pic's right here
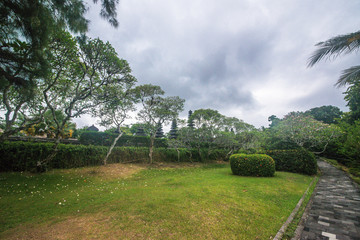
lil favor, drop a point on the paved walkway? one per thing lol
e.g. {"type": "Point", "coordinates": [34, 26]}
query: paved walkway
{"type": "Point", "coordinates": [335, 211]}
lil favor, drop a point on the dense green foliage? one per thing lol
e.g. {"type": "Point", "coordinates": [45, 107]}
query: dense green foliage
{"type": "Point", "coordinates": [105, 139]}
{"type": "Point", "coordinates": [325, 114]}
{"type": "Point", "coordinates": [259, 165]}
{"type": "Point", "coordinates": [24, 156]}
{"type": "Point", "coordinates": [297, 161]}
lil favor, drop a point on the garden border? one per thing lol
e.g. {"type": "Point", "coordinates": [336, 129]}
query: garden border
{"type": "Point", "coordinates": [283, 228]}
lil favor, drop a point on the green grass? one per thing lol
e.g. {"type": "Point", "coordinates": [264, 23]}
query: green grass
{"type": "Point", "coordinates": [290, 231]}
{"type": "Point", "coordinates": [206, 202]}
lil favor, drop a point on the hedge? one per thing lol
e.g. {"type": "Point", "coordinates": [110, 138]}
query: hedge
{"type": "Point", "coordinates": [297, 161]}
{"type": "Point", "coordinates": [23, 156]}
{"type": "Point", "coordinates": [106, 139]}
{"type": "Point", "coordinates": [259, 165]}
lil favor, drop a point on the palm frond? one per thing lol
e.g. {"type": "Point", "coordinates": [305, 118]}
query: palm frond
{"type": "Point", "coordinates": [349, 76]}
{"type": "Point", "coordinates": [335, 46]}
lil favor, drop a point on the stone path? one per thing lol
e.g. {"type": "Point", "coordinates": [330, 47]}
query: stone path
{"type": "Point", "coordinates": [335, 211]}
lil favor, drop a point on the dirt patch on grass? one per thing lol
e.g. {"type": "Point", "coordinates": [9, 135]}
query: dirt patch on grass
{"type": "Point", "coordinates": [123, 170]}
{"type": "Point", "coordinates": [110, 171]}
{"type": "Point", "coordinates": [92, 226]}
{"type": "Point", "coordinates": [81, 227]}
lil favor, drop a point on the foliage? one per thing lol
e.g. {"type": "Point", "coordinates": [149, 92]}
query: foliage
{"type": "Point", "coordinates": [26, 30]}
{"type": "Point", "coordinates": [259, 165]}
{"type": "Point", "coordinates": [105, 139]}
{"type": "Point", "coordinates": [350, 148]}
{"type": "Point", "coordinates": [156, 110]}
{"type": "Point", "coordinates": [24, 156]}
{"type": "Point", "coordinates": [336, 46]}
{"type": "Point", "coordinates": [306, 132]}
{"type": "Point", "coordinates": [297, 161]}
{"type": "Point", "coordinates": [47, 126]}
{"type": "Point", "coordinates": [115, 109]}
{"type": "Point", "coordinates": [274, 121]}
{"type": "Point", "coordinates": [325, 114]}
{"type": "Point", "coordinates": [352, 96]}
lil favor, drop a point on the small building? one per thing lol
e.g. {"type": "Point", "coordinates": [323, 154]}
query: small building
{"type": "Point", "coordinates": [92, 128]}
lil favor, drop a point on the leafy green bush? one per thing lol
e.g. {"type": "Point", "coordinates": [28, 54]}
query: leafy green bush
{"type": "Point", "coordinates": [260, 165]}
{"type": "Point", "coordinates": [297, 161]}
{"type": "Point", "coordinates": [23, 156]}
{"type": "Point", "coordinates": [106, 139]}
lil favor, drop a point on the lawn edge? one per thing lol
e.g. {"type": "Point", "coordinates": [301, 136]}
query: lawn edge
{"type": "Point", "coordinates": [283, 228]}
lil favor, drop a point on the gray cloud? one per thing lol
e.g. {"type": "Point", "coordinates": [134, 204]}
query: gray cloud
{"type": "Point", "coordinates": [244, 58]}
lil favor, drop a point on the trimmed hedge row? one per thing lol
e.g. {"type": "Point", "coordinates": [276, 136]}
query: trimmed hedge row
{"type": "Point", "coordinates": [106, 139]}
{"type": "Point", "coordinates": [297, 161]}
{"type": "Point", "coordinates": [259, 165]}
{"type": "Point", "coordinates": [23, 156]}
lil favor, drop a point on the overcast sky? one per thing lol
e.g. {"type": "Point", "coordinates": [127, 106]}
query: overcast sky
{"type": "Point", "coordinates": [244, 58]}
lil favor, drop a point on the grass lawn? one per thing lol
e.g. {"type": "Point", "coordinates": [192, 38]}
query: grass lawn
{"type": "Point", "coordinates": [137, 202]}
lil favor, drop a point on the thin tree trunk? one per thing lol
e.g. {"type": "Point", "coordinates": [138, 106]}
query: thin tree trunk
{"type": "Point", "coordinates": [152, 139]}
{"type": "Point", "coordinates": [112, 147]}
{"type": "Point", "coordinates": [229, 153]}
{"type": "Point", "coordinates": [41, 165]}
{"type": "Point", "coordinates": [178, 154]}
{"type": "Point", "coordinates": [318, 153]}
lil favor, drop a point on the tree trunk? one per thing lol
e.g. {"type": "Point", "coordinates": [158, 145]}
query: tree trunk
{"type": "Point", "coordinates": [191, 156]}
{"type": "Point", "coordinates": [229, 154]}
{"type": "Point", "coordinates": [112, 147]}
{"type": "Point", "coordinates": [152, 139]}
{"type": "Point", "coordinates": [41, 165]}
{"type": "Point", "coordinates": [178, 154]}
{"type": "Point", "coordinates": [324, 149]}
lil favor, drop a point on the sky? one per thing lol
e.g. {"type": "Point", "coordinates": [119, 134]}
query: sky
{"type": "Point", "coordinates": [245, 58]}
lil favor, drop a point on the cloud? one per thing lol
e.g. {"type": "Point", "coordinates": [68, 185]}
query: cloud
{"type": "Point", "coordinates": [244, 58]}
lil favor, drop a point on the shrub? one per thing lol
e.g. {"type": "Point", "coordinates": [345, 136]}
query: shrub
{"type": "Point", "coordinates": [23, 156]}
{"type": "Point", "coordinates": [106, 139]}
{"type": "Point", "coordinates": [297, 161]}
{"type": "Point", "coordinates": [260, 165]}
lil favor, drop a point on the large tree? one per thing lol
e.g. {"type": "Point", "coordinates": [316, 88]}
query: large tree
{"type": "Point", "coordinates": [84, 73]}
{"type": "Point", "coordinates": [27, 28]}
{"type": "Point", "coordinates": [157, 110]}
{"type": "Point", "coordinates": [116, 109]}
{"type": "Point", "coordinates": [325, 114]}
{"type": "Point", "coordinates": [307, 132]}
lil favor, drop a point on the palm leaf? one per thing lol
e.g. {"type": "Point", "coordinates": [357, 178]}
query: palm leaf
{"type": "Point", "coordinates": [349, 76]}
{"type": "Point", "coordinates": [335, 46]}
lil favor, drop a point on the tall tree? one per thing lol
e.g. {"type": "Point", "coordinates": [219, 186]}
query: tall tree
{"type": "Point", "coordinates": [307, 132]}
{"type": "Point", "coordinates": [84, 72]}
{"type": "Point", "coordinates": [157, 110]}
{"type": "Point", "coordinates": [116, 109]}
{"type": "Point", "coordinates": [352, 96]}
{"type": "Point", "coordinates": [26, 30]}
{"type": "Point", "coordinates": [325, 114]}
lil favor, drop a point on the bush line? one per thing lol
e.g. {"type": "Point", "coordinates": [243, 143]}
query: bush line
{"type": "Point", "coordinates": [23, 156]}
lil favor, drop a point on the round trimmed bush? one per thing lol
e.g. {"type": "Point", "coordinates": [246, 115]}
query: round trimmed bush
{"type": "Point", "coordinates": [259, 165]}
